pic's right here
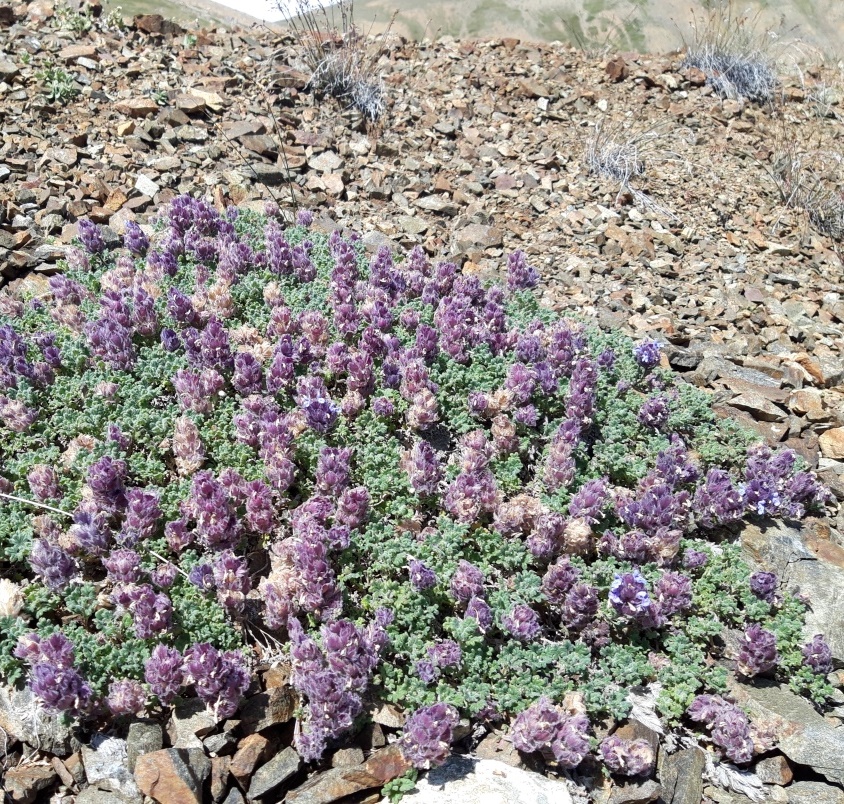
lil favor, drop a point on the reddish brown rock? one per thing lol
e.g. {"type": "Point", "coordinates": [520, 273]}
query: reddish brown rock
{"type": "Point", "coordinates": [173, 775]}
{"type": "Point", "coordinates": [252, 751]}
{"type": "Point", "coordinates": [337, 783]}
{"type": "Point", "coordinates": [137, 107]}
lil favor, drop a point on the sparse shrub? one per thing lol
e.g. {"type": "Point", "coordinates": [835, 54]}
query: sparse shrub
{"type": "Point", "coordinates": [58, 85]}
{"type": "Point", "coordinates": [811, 180]}
{"type": "Point", "coordinates": [446, 490]}
{"type": "Point", "coordinates": [343, 61]}
{"type": "Point", "coordinates": [618, 152]}
{"type": "Point", "coordinates": [736, 57]}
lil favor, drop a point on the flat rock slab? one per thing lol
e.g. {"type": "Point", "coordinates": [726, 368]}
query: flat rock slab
{"type": "Point", "coordinates": [463, 780]}
{"type": "Point", "coordinates": [803, 735]}
{"type": "Point", "coordinates": [275, 773]}
{"type": "Point", "coordinates": [809, 562]}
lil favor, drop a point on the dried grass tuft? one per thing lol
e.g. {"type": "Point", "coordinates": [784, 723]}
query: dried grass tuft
{"type": "Point", "coordinates": [737, 58]}
{"type": "Point", "coordinates": [811, 181]}
{"type": "Point", "coordinates": [343, 62]}
{"type": "Point", "coordinates": [618, 152]}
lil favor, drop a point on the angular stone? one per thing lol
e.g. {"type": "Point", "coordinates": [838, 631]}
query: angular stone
{"type": "Point", "coordinates": [253, 749]}
{"type": "Point", "coordinates": [758, 406]}
{"type": "Point", "coordinates": [271, 175]}
{"type": "Point", "coordinates": [220, 744]}
{"type": "Point", "coordinates": [433, 203]}
{"type": "Point", "coordinates": [47, 733]}
{"type": "Point", "coordinates": [276, 705]}
{"type": "Point", "coordinates": [814, 793]}
{"type": "Point", "coordinates": [494, 746]}
{"type": "Point", "coordinates": [191, 134]}
{"type": "Point", "coordinates": [463, 780]}
{"type": "Point", "coordinates": [616, 69]}
{"type": "Point", "coordinates": [220, 767]}
{"type": "Point", "coordinates": [73, 52]}
{"type": "Point", "coordinates": [107, 767]}
{"type": "Point", "coordinates": [8, 70]}
{"type": "Point", "coordinates": [173, 775]}
{"type": "Point", "coordinates": [810, 563]}
{"type": "Point", "coordinates": [347, 758]}
{"type": "Point", "coordinates": [144, 737]}
{"type": "Point", "coordinates": [191, 104]}
{"type": "Point", "coordinates": [803, 735]}
{"type": "Point", "coordinates": [274, 773]}
{"type": "Point", "coordinates": [136, 107]}
{"type": "Point", "coordinates": [24, 782]}
{"type": "Point", "coordinates": [234, 797]}
{"type": "Point", "coordinates": [262, 144]}
{"type": "Point", "coordinates": [190, 721]}
{"type": "Point", "coordinates": [635, 791]}
{"type": "Point", "coordinates": [65, 156]}
{"type": "Point", "coordinates": [146, 186]}
{"type": "Point", "coordinates": [477, 234]}
{"type": "Point", "coordinates": [681, 776]}
{"type": "Point", "coordinates": [832, 443]}
{"type": "Point", "coordinates": [774, 770]}
{"type": "Point", "coordinates": [326, 162]}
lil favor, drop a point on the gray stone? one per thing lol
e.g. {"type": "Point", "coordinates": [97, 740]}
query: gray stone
{"type": "Point", "coordinates": [93, 795]}
{"type": "Point", "coordinates": [635, 792]}
{"type": "Point", "coordinates": [7, 70]}
{"type": "Point", "coordinates": [681, 775]}
{"type": "Point", "coordinates": [191, 134]}
{"type": "Point", "coordinates": [412, 225]}
{"type": "Point", "coordinates": [433, 203]}
{"type": "Point", "coordinates": [234, 797]}
{"type": "Point", "coordinates": [270, 175]}
{"type": "Point", "coordinates": [274, 773]}
{"type": "Point", "coordinates": [220, 744]}
{"type": "Point", "coordinates": [146, 186]}
{"type": "Point", "coordinates": [477, 234]}
{"type": "Point", "coordinates": [24, 721]}
{"type": "Point", "coordinates": [144, 737]}
{"type": "Point", "coordinates": [463, 780]}
{"type": "Point", "coordinates": [809, 562]}
{"type": "Point", "coordinates": [326, 162]}
{"type": "Point", "coordinates": [189, 722]}
{"type": "Point", "coordinates": [814, 793]}
{"type": "Point", "coordinates": [804, 736]}
{"type": "Point", "coordinates": [107, 767]}
{"type": "Point", "coordinates": [347, 758]}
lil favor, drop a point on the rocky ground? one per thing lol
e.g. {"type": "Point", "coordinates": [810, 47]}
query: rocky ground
{"type": "Point", "coordinates": [480, 152]}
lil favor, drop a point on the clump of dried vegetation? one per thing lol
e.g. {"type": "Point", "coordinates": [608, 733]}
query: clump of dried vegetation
{"type": "Point", "coordinates": [342, 60]}
{"type": "Point", "coordinates": [737, 55]}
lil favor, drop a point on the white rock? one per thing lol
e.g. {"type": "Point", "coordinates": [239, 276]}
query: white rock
{"type": "Point", "coordinates": [146, 186]}
{"type": "Point", "coordinates": [463, 780]}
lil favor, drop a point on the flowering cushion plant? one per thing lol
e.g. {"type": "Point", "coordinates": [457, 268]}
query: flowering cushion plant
{"type": "Point", "coordinates": [430, 491]}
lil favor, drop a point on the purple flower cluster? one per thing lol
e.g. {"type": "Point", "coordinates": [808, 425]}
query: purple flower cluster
{"type": "Point", "coordinates": [427, 735]}
{"type": "Point", "coordinates": [629, 597]}
{"type": "Point", "coordinates": [219, 677]}
{"type": "Point", "coordinates": [728, 725]}
{"type": "Point", "coordinates": [543, 725]}
{"type": "Point", "coordinates": [333, 677]}
{"type": "Point", "coordinates": [758, 651]}
{"type": "Point", "coordinates": [53, 677]}
{"type": "Point", "coordinates": [647, 353]}
{"type": "Point", "coordinates": [818, 655]}
{"type": "Point", "coordinates": [764, 585]}
{"type": "Point", "coordinates": [627, 757]}
{"type": "Point", "coordinates": [772, 487]}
